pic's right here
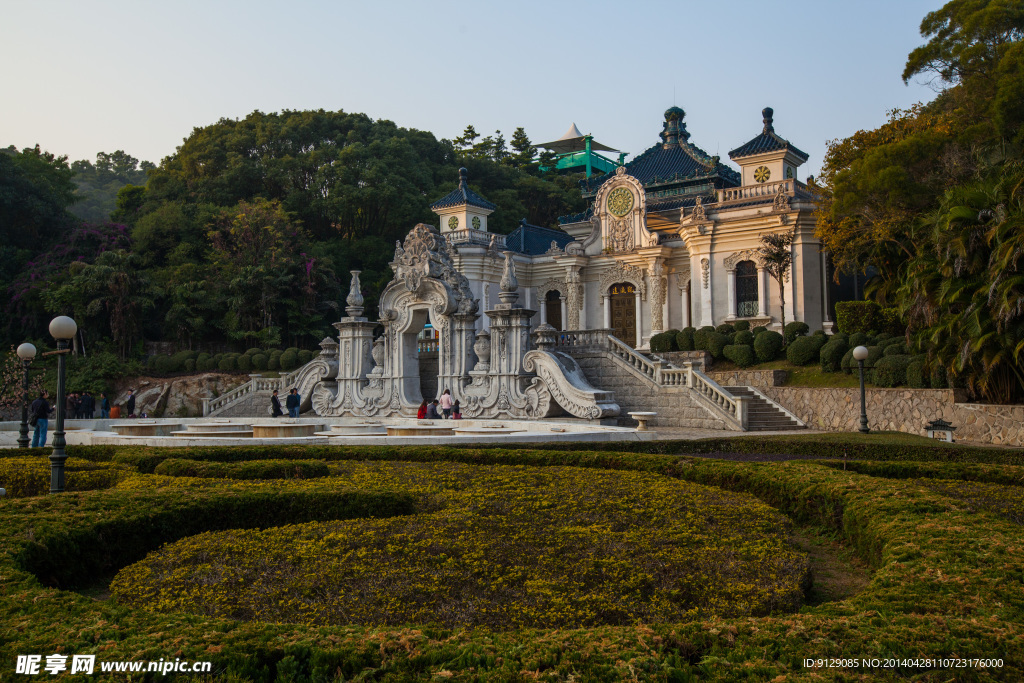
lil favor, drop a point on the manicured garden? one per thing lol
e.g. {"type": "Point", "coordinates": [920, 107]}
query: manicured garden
{"type": "Point", "coordinates": [470, 530]}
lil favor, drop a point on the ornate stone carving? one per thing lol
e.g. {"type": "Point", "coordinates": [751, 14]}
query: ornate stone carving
{"type": "Point", "coordinates": [698, 214]}
{"type": "Point", "coordinates": [705, 271]}
{"type": "Point", "coordinates": [509, 282]}
{"type": "Point", "coordinates": [658, 286]}
{"type": "Point", "coordinates": [746, 255]}
{"type": "Point", "coordinates": [378, 351]}
{"type": "Point", "coordinates": [426, 255]}
{"type": "Point", "coordinates": [551, 285]}
{"type": "Point", "coordinates": [554, 250]}
{"type": "Point", "coordinates": [620, 236]}
{"type": "Point", "coordinates": [482, 348]}
{"type": "Point", "coordinates": [622, 222]}
{"type": "Point", "coordinates": [574, 249]}
{"type": "Point", "coordinates": [781, 202]}
{"type": "Point", "coordinates": [574, 298]}
{"type": "Point", "coordinates": [623, 272]}
{"type": "Point", "coordinates": [355, 297]}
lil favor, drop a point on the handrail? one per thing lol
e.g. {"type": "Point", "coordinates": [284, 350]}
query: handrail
{"type": "Point", "coordinates": [468, 235]}
{"type": "Point", "coordinates": [733, 406]}
{"type": "Point", "coordinates": [639, 362]}
{"type": "Point", "coordinates": [787, 186]}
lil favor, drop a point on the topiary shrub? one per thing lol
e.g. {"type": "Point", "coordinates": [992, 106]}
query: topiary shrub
{"type": "Point", "coordinates": [684, 340]}
{"type": "Point", "coordinates": [190, 365]}
{"type": "Point", "coordinates": [725, 328]}
{"type": "Point", "coordinates": [917, 375]}
{"type": "Point", "coordinates": [804, 350]}
{"type": "Point", "coordinates": [897, 348]}
{"type": "Point", "coordinates": [937, 376]}
{"type": "Point", "coordinates": [891, 371]}
{"type": "Point", "coordinates": [831, 354]}
{"type": "Point", "coordinates": [858, 339]}
{"type": "Point", "coordinates": [163, 365]}
{"type": "Point", "coordinates": [740, 354]}
{"type": "Point", "coordinates": [227, 363]}
{"type": "Point", "coordinates": [874, 355]}
{"type": "Point", "coordinates": [289, 359]}
{"type": "Point", "coordinates": [741, 325]}
{"type": "Point", "coordinates": [857, 316]}
{"type": "Point", "coordinates": [882, 337]}
{"type": "Point", "coordinates": [795, 329]}
{"type": "Point", "coordinates": [767, 346]}
{"type": "Point", "coordinates": [663, 342]}
{"type": "Point", "coordinates": [274, 361]}
{"type": "Point", "coordinates": [717, 343]}
{"type": "Point", "coordinates": [745, 337]}
{"type": "Point", "coordinates": [759, 330]}
{"type": "Point", "coordinates": [305, 355]}
{"type": "Point", "coordinates": [889, 320]}
{"type": "Point", "coordinates": [244, 363]}
{"type": "Point", "coordinates": [700, 338]}
{"type": "Point", "coordinates": [259, 361]}
{"type": "Point", "coordinates": [847, 364]}
{"type": "Point", "coordinates": [252, 352]}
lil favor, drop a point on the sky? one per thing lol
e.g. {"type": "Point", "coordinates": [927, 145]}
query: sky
{"type": "Point", "coordinates": [85, 77]}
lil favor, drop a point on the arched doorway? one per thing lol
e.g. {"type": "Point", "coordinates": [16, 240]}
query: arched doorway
{"type": "Point", "coordinates": [623, 305]}
{"type": "Point", "coordinates": [553, 309]}
{"type": "Point", "coordinates": [746, 289]}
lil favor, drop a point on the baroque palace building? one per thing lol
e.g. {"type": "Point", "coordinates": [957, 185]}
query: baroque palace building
{"type": "Point", "coordinates": [670, 240]}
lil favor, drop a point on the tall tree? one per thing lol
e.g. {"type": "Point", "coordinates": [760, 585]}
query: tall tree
{"type": "Point", "coordinates": [777, 256]}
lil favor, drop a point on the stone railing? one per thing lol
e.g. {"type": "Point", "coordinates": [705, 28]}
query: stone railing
{"type": "Point", "coordinates": [211, 405]}
{"type": "Point", "coordinates": [467, 236]}
{"type": "Point", "coordinates": [661, 373]}
{"type": "Point", "coordinates": [755, 191]}
{"type": "Point", "coordinates": [426, 345]}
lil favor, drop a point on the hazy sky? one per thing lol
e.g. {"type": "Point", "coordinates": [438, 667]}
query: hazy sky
{"type": "Point", "coordinates": [83, 77]}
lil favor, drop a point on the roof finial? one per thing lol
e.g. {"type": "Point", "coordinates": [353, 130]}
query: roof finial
{"type": "Point", "coordinates": [463, 174]}
{"type": "Point", "coordinates": [767, 113]}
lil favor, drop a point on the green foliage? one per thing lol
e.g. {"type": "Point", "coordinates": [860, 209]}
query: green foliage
{"type": "Point", "coordinates": [759, 330]}
{"type": "Point", "coordinates": [897, 348]}
{"type": "Point", "coordinates": [227, 363]}
{"type": "Point", "coordinates": [875, 354]}
{"type": "Point", "coordinates": [740, 354]}
{"type": "Point", "coordinates": [701, 338]}
{"type": "Point", "coordinates": [832, 353]}
{"type": "Point", "coordinates": [261, 469]}
{"type": "Point", "coordinates": [795, 329]}
{"type": "Point", "coordinates": [847, 364]}
{"type": "Point", "coordinates": [854, 317]}
{"type": "Point", "coordinates": [29, 475]}
{"type": "Point", "coordinates": [744, 337]}
{"type": "Point", "coordinates": [685, 340]}
{"type": "Point", "coordinates": [274, 360]}
{"type": "Point", "coordinates": [716, 343]}
{"type": "Point", "coordinates": [741, 325]}
{"type": "Point", "coordinates": [917, 376]}
{"type": "Point", "coordinates": [768, 345]}
{"type": "Point", "coordinates": [665, 341]}
{"type": "Point", "coordinates": [243, 363]}
{"type": "Point", "coordinates": [98, 184]}
{"type": "Point", "coordinates": [189, 365]}
{"type": "Point", "coordinates": [859, 339]}
{"type": "Point", "coordinates": [725, 328]}
{"type": "Point", "coordinates": [289, 359]}
{"type": "Point", "coordinates": [937, 376]}
{"type": "Point", "coordinates": [259, 361]}
{"type": "Point", "coordinates": [891, 371]}
{"type": "Point", "coordinates": [36, 191]}
{"type": "Point", "coordinates": [305, 355]}
{"type": "Point", "coordinates": [804, 350]}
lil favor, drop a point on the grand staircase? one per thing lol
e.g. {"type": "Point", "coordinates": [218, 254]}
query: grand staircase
{"type": "Point", "coordinates": [762, 415]}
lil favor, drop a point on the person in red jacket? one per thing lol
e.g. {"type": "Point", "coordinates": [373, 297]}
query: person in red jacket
{"type": "Point", "coordinates": [421, 414]}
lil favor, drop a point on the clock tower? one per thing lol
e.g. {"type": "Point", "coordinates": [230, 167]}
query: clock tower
{"type": "Point", "coordinates": [768, 158]}
{"type": "Point", "coordinates": [463, 209]}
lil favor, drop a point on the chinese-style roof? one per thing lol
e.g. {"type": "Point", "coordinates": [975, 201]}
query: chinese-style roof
{"type": "Point", "coordinates": [767, 141]}
{"type": "Point", "coordinates": [462, 196]}
{"type": "Point", "coordinates": [675, 159]}
{"type": "Point", "coordinates": [574, 141]}
{"type": "Point", "coordinates": [534, 239]}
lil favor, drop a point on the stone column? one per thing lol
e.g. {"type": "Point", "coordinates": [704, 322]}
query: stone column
{"type": "Point", "coordinates": [762, 292]}
{"type": "Point", "coordinates": [655, 275]}
{"type": "Point", "coordinates": [790, 283]}
{"type": "Point", "coordinates": [565, 313]}
{"type": "Point", "coordinates": [706, 314]}
{"type": "Point", "coordinates": [543, 311]}
{"type": "Point", "coordinates": [825, 317]}
{"type": "Point", "coordinates": [607, 304]}
{"type": "Point", "coordinates": [730, 276]}
{"type": "Point", "coordinates": [684, 293]}
{"type": "Point", "coordinates": [639, 322]}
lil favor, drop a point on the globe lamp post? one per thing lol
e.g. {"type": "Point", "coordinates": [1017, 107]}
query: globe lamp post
{"type": "Point", "coordinates": [26, 352]}
{"type": "Point", "coordinates": [860, 354]}
{"type": "Point", "coordinates": [63, 329]}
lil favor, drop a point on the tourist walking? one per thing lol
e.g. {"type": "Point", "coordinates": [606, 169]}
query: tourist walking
{"type": "Point", "coordinates": [421, 414]}
{"type": "Point", "coordinates": [129, 406]}
{"type": "Point", "coordinates": [40, 417]}
{"type": "Point", "coordinates": [104, 406]}
{"type": "Point", "coordinates": [293, 402]}
{"type": "Point", "coordinates": [456, 411]}
{"type": "Point", "coordinates": [446, 404]}
{"type": "Point", "coordinates": [275, 405]}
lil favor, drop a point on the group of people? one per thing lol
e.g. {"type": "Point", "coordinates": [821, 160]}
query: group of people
{"type": "Point", "coordinates": [76, 407]}
{"type": "Point", "coordinates": [440, 409]}
{"type": "Point", "coordinates": [292, 403]}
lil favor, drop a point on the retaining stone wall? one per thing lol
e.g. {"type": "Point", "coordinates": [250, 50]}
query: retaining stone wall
{"type": "Point", "coordinates": [749, 378]}
{"type": "Point", "coordinates": [674, 406]}
{"type": "Point", "coordinates": [902, 410]}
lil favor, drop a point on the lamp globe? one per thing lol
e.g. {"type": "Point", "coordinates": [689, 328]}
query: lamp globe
{"type": "Point", "coordinates": [26, 351]}
{"type": "Point", "coordinates": [63, 327]}
{"type": "Point", "coordinates": [860, 353]}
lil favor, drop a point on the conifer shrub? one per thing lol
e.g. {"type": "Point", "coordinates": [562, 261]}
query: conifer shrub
{"type": "Point", "coordinates": [725, 328]}
{"type": "Point", "coordinates": [761, 329]}
{"type": "Point", "coordinates": [891, 371]}
{"type": "Point", "coordinates": [716, 344]}
{"type": "Point", "coordinates": [804, 350]}
{"type": "Point", "coordinates": [917, 375]}
{"type": "Point", "coordinates": [289, 359]}
{"type": "Point", "coordinates": [163, 365]}
{"type": "Point", "coordinates": [858, 339]}
{"type": "Point", "coordinates": [897, 348]}
{"type": "Point", "coordinates": [190, 365]}
{"type": "Point", "coordinates": [767, 346]}
{"type": "Point", "coordinates": [874, 355]}
{"type": "Point", "coordinates": [663, 342]}
{"type": "Point", "coordinates": [700, 338]}
{"type": "Point", "coordinates": [202, 362]}
{"type": "Point", "coordinates": [305, 355]}
{"type": "Point", "coordinates": [744, 337]}
{"type": "Point", "coordinates": [832, 353]}
{"type": "Point", "coordinates": [252, 352]}
{"type": "Point", "coordinates": [857, 316]}
{"type": "Point", "coordinates": [227, 363]}
{"type": "Point", "coordinates": [259, 361]}
{"type": "Point", "coordinates": [274, 360]}
{"type": "Point", "coordinates": [795, 329]}
{"type": "Point", "coordinates": [243, 363]}
{"type": "Point", "coordinates": [848, 364]}
{"type": "Point", "coordinates": [740, 354]}
{"type": "Point", "coordinates": [684, 340]}
{"type": "Point", "coordinates": [741, 325]}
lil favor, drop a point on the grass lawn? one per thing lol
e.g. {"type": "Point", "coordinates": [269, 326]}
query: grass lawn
{"type": "Point", "coordinates": [799, 375]}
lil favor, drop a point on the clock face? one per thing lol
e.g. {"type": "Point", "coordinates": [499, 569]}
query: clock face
{"type": "Point", "coordinates": [762, 174]}
{"type": "Point", "coordinates": [453, 223]}
{"type": "Point", "coordinates": [476, 222]}
{"type": "Point", "coordinates": [620, 201]}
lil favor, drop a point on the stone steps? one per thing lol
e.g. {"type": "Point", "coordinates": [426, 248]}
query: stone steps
{"type": "Point", "coordinates": [763, 416]}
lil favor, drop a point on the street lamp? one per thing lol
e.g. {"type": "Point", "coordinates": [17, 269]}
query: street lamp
{"type": "Point", "coordinates": [63, 329]}
{"type": "Point", "coordinates": [26, 352]}
{"type": "Point", "coordinates": [860, 354]}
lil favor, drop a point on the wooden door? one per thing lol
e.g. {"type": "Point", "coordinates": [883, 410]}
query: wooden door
{"type": "Point", "coordinates": [623, 298]}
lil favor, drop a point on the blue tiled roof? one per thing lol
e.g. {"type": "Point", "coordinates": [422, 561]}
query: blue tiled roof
{"type": "Point", "coordinates": [534, 239]}
{"type": "Point", "coordinates": [461, 196]}
{"type": "Point", "coordinates": [670, 162]}
{"type": "Point", "coordinates": [767, 141]}
{"type": "Point", "coordinates": [577, 217]}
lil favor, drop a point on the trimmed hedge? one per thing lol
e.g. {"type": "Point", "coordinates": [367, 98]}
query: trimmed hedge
{"type": "Point", "coordinates": [859, 339]}
{"type": "Point", "coordinates": [742, 325]}
{"type": "Point", "coordinates": [716, 344]}
{"type": "Point", "coordinates": [891, 371]}
{"type": "Point", "coordinates": [701, 338]}
{"type": "Point", "coordinates": [663, 342]}
{"type": "Point", "coordinates": [795, 329]}
{"type": "Point", "coordinates": [30, 475]}
{"type": "Point", "coordinates": [831, 354]}
{"type": "Point", "coordinates": [263, 469]}
{"type": "Point", "coordinates": [684, 340]}
{"type": "Point", "coordinates": [744, 337]}
{"type": "Point", "coordinates": [305, 355]}
{"type": "Point", "coordinates": [740, 354]}
{"type": "Point", "coordinates": [917, 378]}
{"type": "Point", "coordinates": [767, 345]}
{"type": "Point", "coordinates": [938, 378]}
{"type": "Point", "coordinates": [858, 316]}
{"type": "Point", "coordinates": [805, 350]}
{"type": "Point", "coordinates": [725, 328]}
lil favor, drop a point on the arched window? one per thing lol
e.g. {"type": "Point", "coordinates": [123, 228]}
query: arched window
{"type": "Point", "coordinates": [746, 289]}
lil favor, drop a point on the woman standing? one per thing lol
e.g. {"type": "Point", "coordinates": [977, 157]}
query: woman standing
{"type": "Point", "coordinates": [446, 404]}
